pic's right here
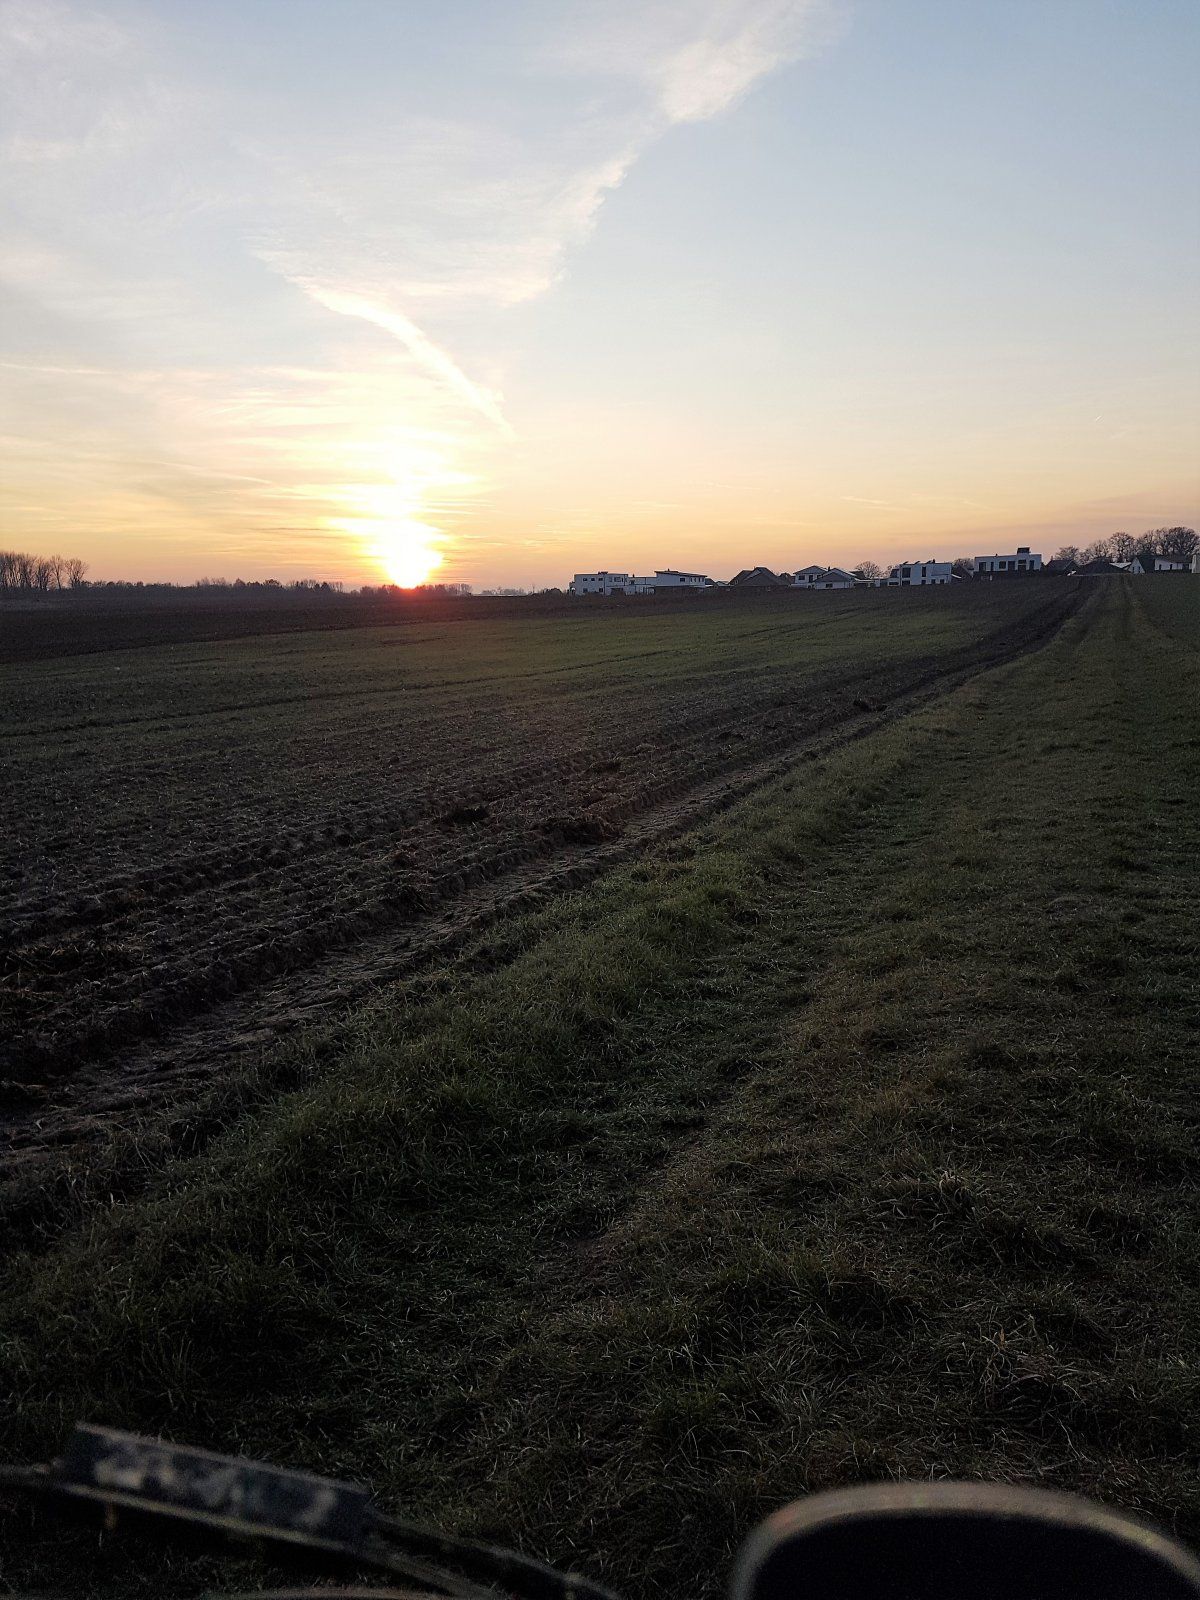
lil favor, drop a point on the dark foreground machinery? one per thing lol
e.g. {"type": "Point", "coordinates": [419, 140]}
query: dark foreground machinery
{"type": "Point", "coordinates": [926, 1541]}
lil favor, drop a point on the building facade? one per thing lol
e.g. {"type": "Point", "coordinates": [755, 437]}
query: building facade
{"type": "Point", "coordinates": [919, 573]}
{"type": "Point", "coordinates": [667, 579]}
{"type": "Point", "coordinates": [602, 583]}
{"type": "Point", "coordinates": [1022, 560]}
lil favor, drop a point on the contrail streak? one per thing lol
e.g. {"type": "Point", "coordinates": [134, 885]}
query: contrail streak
{"type": "Point", "coordinates": [418, 344]}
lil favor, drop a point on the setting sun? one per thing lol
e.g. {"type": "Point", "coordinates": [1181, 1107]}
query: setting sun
{"type": "Point", "coordinates": [392, 538]}
{"type": "Point", "coordinates": [407, 554]}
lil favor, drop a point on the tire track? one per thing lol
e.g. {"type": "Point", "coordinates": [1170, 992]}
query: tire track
{"type": "Point", "coordinates": [378, 944]}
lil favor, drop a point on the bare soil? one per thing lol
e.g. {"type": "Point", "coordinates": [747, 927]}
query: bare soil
{"type": "Point", "coordinates": [173, 955]}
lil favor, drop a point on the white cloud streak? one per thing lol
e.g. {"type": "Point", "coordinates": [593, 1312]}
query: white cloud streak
{"type": "Point", "coordinates": [495, 226]}
{"type": "Point", "coordinates": [146, 202]}
{"type": "Point", "coordinates": [430, 357]}
{"type": "Point", "coordinates": [697, 58]}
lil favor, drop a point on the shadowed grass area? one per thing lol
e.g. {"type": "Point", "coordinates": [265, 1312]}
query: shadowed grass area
{"type": "Point", "coordinates": [854, 1138]}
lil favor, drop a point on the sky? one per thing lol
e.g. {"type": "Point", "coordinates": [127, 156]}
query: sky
{"type": "Point", "coordinates": [393, 290]}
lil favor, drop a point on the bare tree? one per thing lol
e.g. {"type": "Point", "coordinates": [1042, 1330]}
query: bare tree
{"type": "Point", "coordinates": [1071, 553]}
{"type": "Point", "coordinates": [1098, 550]}
{"type": "Point", "coordinates": [869, 570]}
{"type": "Point", "coordinates": [22, 573]}
{"type": "Point", "coordinates": [1123, 546]}
{"type": "Point", "coordinates": [1176, 543]}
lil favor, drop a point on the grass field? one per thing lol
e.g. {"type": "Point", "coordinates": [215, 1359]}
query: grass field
{"type": "Point", "coordinates": [844, 1128]}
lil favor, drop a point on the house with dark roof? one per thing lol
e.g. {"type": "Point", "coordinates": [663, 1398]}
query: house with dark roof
{"type": "Point", "coordinates": [806, 576]}
{"type": "Point", "coordinates": [1101, 569]}
{"type": "Point", "coordinates": [758, 578]}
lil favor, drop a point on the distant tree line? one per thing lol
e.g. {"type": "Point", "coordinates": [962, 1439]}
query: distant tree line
{"type": "Point", "coordinates": [297, 585]}
{"type": "Point", "coordinates": [1175, 543]}
{"type": "Point", "coordinates": [22, 574]}
{"type": "Point", "coordinates": [453, 590]}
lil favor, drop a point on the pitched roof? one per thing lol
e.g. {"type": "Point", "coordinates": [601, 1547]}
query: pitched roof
{"type": "Point", "coordinates": [758, 578]}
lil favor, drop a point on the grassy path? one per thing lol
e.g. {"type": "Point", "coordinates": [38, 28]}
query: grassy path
{"type": "Point", "coordinates": [854, 1138]}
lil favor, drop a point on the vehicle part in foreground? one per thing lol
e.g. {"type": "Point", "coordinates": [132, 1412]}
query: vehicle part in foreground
{"type": "Point", "coordinates": [911, 1541]}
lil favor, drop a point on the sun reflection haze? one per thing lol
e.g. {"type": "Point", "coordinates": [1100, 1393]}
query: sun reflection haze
{"type": "Point", "coordinates": [390, 519]}
{"type": "Point", "coordinates": [408, 553]}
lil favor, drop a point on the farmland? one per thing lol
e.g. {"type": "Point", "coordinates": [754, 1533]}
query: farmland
{"type": "Point", "coordinates": [212, 844]}
{"type": "Point", "coordinates": [598, 1082]}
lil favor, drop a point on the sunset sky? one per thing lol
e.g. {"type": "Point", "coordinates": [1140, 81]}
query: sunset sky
{"type": "Point", "coordinates": [349, 289]}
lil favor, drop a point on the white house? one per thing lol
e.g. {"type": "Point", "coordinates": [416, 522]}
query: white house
{"type": "Point", "coordinates": [832, 578]}
{"type": "Point", "coordinates": [602, 583]}
{"type": "Point", "coordinates": [1146, 561]}
{"type": "Point", "coordinates": [1023, 560]}
{"type": "Point", "coordinates": [667, 580]}
{"type": "Point", "coordinates": [806, 577]}
{"type": "Point", "coordinates": [918, 573]}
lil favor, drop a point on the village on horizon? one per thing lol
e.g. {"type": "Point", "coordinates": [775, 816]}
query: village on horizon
{"type": "Point", "coordinates": [33, 578]}
{"type": "Point", "coordinates": [905, 574]}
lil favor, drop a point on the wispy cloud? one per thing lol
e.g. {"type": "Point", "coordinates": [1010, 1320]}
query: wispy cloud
{"type": "Point", "coordinates": [697, 59]}
{"type": "Point", "coordinates": [189, 250]}
{"type": "Point", "coordinates": [431, 218]}
{"type": "Point", "coordinates": [75, 84]}
{"type": "Point", "coordinates": [436, 213]}
{"type": "Point", "coordinates": [427, 355]}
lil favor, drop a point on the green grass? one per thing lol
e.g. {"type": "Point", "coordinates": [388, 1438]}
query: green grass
{"type": "Point", "coordinates": [601, 650]}
{"type": "Point", "coordinates": [855, 1138]}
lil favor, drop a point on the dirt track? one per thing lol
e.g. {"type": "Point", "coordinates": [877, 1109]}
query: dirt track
{"type": "Point", "coordinates": [165, 975]}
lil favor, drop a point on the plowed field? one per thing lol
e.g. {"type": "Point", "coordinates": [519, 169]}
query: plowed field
{"type": "Point", "coordinates": [207, 844]}
{"type": "Point", "coordinates": [843, 1131]}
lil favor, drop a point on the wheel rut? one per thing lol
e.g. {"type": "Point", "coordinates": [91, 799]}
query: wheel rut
{"type": "Point", "coordinates": [138, 1051]}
